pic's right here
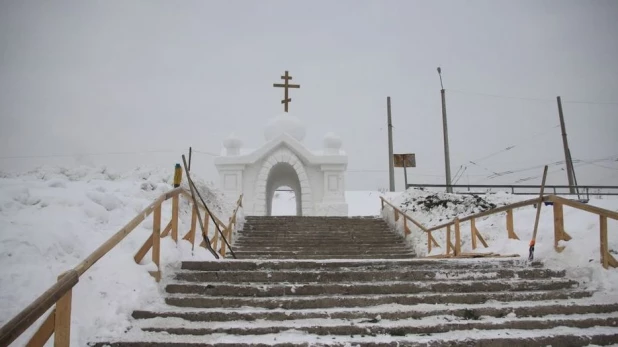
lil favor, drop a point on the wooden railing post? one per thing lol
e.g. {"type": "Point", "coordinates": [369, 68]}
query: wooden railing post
{"type": "Point", "coordinates": [473, 233]}
{"type": "Point", "coordinates": [62, 319]}
{"type": "Point", "coordinates": [457, 238]}
{"type": "Point", "coordinates": [448, 240]}
{"type": "Point", "coordinates": [559, 233]}
{"type": "Point", "coordinates": [396, 214]}
{"type": "Point", "coordinates": [175, 208]}
{"type": "Point", "coordinates": [510, 225]}
{"type": "Point", "coordinates": [191, 234]}
{"type": "Point", "coordinates": [607, 259]}
{"type": "Point", "coordinates": [156, 242]}
{"type": "Point", "coordinates": [406, 230]}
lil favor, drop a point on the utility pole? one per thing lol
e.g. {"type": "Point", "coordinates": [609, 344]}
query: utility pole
{"type": "Point", "coordinates": [447, 159]}
{"type": "Point", "coordinates": [391, 169]}
{"type": "Point", "coordinates": [565, 144]}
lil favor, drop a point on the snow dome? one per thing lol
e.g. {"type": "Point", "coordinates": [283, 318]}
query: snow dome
{"type": "Point", "coordinates": [284, 123]}
{"type": "Point", "coordinates": [332, 143]}
{"type": "Point", "coordinates": [232, 145]}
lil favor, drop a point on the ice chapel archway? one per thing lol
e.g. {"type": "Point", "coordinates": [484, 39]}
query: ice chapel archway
{"type": "Point", "coordinates": [316, 176]}
{"type": "Point", "coordinates": [283, 168]}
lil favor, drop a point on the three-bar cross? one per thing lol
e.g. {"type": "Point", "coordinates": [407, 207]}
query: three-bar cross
{"type": "Point", "coordinates": [286, 85]}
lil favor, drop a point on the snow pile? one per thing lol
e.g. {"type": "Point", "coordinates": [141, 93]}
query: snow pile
{"type": "Point", "coordinates": [53, 218]}
{"type": "Point", "coordinates": [434, 208]}
{"type": "Point", "coordinates": [581, 257]}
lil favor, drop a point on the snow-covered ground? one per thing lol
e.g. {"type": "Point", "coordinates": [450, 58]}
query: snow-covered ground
{"type": "Point", "coordinates": [51, 219]}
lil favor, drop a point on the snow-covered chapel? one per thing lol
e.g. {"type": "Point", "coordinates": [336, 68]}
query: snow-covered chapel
{"type": "Point", "coordinates": [317, 177]}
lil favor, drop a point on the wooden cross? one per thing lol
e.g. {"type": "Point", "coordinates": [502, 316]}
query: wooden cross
{"type": "Point", "coordinates": [286, 85]}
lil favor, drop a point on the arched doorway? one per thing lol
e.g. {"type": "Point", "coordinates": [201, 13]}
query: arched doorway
{"type": "Point", "coordinates": [280, 175]}
{"type": "Point", "coordinates": [284, 202]}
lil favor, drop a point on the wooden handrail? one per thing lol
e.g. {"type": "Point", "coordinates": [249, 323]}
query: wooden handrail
{"type": "Point", "coordinates": [607, 259]}
{"type": "Point", "coordinates": [422, 227]}
{"type": "Point", "coordinates": [24, 319]}
{"type": "Point", "coordinates": [587, 208]}
{"type": "Point", "coordinates": [500, 209]}
{"type": "Point", "coordinates": [122, 233]}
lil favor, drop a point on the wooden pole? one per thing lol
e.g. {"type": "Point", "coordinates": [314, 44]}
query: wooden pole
{"type": "Point", "coordinates": [391, 168]}
{"type": "Point", "coordinates": [447, 159]}
{"type": "Point", "coordinates": [190, 152]}
{"type": "Point", "coordinates": [565, 145]}
{"type": "Point", "coordinates": [538, 215]}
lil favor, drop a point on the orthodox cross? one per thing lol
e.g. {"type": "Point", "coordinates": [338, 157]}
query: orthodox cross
{"type": "Point", "coordinates": [286, 85]}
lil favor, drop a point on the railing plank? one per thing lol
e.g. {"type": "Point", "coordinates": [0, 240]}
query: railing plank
{"type": "Point", "coordinates": [585, 207]}
{"type": "Point", "coordinates": [175, 218]}
{"type": "Point", "coordinates": [24, 319]}
{"type": "Point", "coordinates": [44, 332]}
{"type": "Point", "coordinates": [490, 212]}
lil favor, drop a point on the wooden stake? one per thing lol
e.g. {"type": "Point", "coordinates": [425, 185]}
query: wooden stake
{"type": "Point", "coordinates": [167, 229]}
{"type": "Point", "coordinates": [143, 250]}
{"type": "Point", "coordinates": [44, 332]}
{"type": "Point", "coordinates": [191, 234]}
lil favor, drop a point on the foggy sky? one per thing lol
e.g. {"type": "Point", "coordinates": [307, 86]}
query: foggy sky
{"type": "Point", "coordinates": [159, 76]}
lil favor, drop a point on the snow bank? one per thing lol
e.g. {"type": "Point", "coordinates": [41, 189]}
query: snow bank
{"type": "Point", "coordinates": [581, 256]}
{"type": "Point", "coordinates": [53, 218]}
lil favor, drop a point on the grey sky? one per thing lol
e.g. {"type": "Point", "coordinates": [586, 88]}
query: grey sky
{"type": "Point", "coordinates": [136, 76]}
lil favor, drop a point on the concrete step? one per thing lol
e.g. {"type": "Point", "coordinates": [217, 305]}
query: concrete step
{"type": "Point", "coordinates": [403, 312]}
{"type": "Point", "coordinates": [574, 337]}
{"type": "Point", "coordinates": [321, 236]}
{"type": "Point", "coordinates": [392, 328]}
{"type": "Point", "coordinates": [325, 301]}
{"type": "Point", "coordinates": [364, 288]}
{"type": "Point", "coordinates": [314, 243]}
{"type": "Point", "coordinates": [321, 256]}
{"type": "Point", "coordinates": [378, 265]}
{"type": "Point", "coordinates": [356, 275]}
{"type": "Point", "coordinates": [318, 251]}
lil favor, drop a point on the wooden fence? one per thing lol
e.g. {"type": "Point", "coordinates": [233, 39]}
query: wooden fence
{"type": "Point", "coordinates": [453, 248]}
{"type": "Point", "coordinates": [58, 296]}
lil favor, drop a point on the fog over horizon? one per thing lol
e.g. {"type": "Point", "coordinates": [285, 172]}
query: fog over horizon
{"type": "Point", "coordinates": [132, 84]}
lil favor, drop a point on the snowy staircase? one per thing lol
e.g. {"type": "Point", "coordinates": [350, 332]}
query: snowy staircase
{"type": "Point", "coordinates": [290, 237]}
{"type": "Point", "coordinates": [372, 302]}
{"type": "Point", "coordinates": [339, 281]}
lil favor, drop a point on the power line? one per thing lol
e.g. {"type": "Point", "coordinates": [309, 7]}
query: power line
{"type": "Point", "coordinates": [533, 99]}
{"type": "Point", "coordinates": [500, 96]}
{"type": "Point", "coordinates": [85, 154]}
